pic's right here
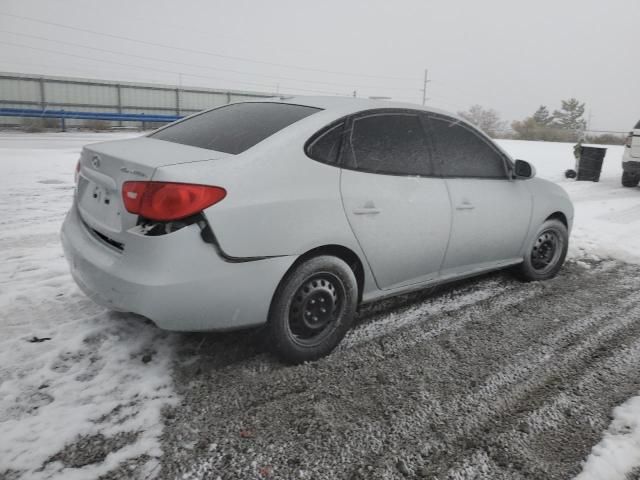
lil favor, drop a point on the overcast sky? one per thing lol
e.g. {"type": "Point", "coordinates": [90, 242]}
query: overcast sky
{"type": "Point", "coordinates": [509, 55]}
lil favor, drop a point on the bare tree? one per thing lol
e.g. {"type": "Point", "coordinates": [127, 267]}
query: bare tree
{"type": "Point", "coordinates": [486, 119]}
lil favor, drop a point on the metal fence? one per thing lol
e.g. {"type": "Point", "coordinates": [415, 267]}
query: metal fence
{"type": "Point", "coordinates": [118, 100]}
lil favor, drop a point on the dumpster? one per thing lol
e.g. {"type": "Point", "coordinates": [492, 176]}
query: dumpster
{"type": "Point", "coordinates": [588, 163]}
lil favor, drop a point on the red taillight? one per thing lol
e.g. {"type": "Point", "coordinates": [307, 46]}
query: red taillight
{"type": "Point", "coordinates": [629, 140]}
{"type": "Point", "coordinates": [163, 201]}
{"type": "Point", "coordinates": [77, 172]}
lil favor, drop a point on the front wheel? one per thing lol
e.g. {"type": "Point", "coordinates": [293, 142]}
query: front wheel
{"type": "Point", "coordinates": [312, 309]}
{"type": "Point", "coordinates": [630, 180]}
{"type": "Point", "coordinates": [545, 256]}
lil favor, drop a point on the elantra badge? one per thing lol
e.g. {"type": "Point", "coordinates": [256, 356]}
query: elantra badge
{"type": "Point", "coordinates": [132, 172]}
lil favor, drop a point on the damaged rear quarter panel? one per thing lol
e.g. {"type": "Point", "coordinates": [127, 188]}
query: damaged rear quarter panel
{"type": "Point", "coordinates": [279, 202]}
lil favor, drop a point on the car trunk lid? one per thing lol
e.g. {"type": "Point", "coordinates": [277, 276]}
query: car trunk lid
{"type": "Point", "coordinates": [104, 167]}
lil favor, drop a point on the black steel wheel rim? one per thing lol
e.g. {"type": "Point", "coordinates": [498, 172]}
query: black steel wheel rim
{"type": "Point", "coordinates": [316, 309]}
{"type": "Point", "coordinates": [546, 251]}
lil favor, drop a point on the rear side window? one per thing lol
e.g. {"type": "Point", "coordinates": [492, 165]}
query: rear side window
{"type": "Point", "coordinates": [637, 125]}
{"type": "Point", "coordinates": [326, 146]}
{"type": "Point", "coordinates": [461, 152]}
{"type": "Point", "coordinates": [234, 128]}
{"type": "Point", "coordinates": [389, 143]}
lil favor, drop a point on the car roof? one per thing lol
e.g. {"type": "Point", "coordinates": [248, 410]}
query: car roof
{"type": "Point", "coordinates": [348, 105]}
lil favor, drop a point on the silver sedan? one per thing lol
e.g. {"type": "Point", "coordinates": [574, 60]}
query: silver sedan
{"type": "Point", "coordinates": [291, 212]}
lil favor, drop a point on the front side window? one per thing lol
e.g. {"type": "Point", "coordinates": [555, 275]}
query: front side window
{"type": "Point", "coordinates": [461, 152]}
{"type": "Point", "coordinates": [234, 128]}
{"type": "Point", "coordinates": [389, 143]}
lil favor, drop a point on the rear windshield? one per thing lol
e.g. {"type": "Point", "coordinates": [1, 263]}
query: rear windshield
{"type": "Point", "coordinates": [234, 128]}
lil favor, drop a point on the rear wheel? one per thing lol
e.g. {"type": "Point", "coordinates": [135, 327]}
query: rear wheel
{"type": "Point", "coordinates": [630, 180]}
{"type": "Point", "coordinates": [547, 253]}
{"type": "Point", "coordinates": [312, 309]}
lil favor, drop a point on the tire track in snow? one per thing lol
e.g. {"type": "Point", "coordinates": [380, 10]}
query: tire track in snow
{"type": "Point", "coordinates": [505, 389]}
{"type": "Point", "coordinates": [383, 324]}
{"type": "Point", "coordinates": [551, 416]}
{"type": "Point", "coordinates": [440, 393]}
{"type": "Point", "coordinates": [558, 415]}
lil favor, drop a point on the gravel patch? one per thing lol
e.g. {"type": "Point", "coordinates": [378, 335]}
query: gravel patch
{"type": "Point", "coordinates": [92, 449]}
{"type": "Point", "coordinates": [490, 378]}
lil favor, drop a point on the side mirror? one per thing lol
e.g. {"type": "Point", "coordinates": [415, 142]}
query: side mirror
{"type": "Point", "coordinates": [523, 169]}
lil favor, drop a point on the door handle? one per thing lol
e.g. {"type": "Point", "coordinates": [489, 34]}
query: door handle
{"type": "Point", "coordinates": [366, 211]}
{"type": "Point", "coordinates": [465, 206]}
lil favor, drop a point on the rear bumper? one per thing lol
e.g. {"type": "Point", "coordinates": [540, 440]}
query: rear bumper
{"type": "Point", "coordinates": [176, 280]}
{"type": "Point", "coordinates": [631, 166]}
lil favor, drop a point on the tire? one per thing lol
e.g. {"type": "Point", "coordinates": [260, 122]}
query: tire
{"type": "Point", "coordinates": [570, 173]}
{"type": "Point", "coordinates": [546, 254]}
{"type": "Point", "coordinates": [630, 180]}
{"type": "Point", "coordinates": [300, 327]}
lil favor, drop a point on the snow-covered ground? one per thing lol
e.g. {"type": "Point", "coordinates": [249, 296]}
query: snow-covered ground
{"type": "Point", "coordinates": [72, 373]}
{"type": "Point", "coordinates": [69, 371]}
{"type": "Point", "coordinates": [607, 216]}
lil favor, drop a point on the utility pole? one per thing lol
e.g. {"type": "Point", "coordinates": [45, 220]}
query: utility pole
{"type": "Point", "coordinates": [424, 86]}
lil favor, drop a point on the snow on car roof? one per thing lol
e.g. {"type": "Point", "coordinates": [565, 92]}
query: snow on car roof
{"type": "Point", "coordinates": [346, 105]}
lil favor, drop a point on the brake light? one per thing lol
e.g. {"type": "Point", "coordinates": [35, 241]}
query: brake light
{"type": "Point", "coordinates": [165, 201]}
{"type": "Point", "coordinates": [629, 139]}
{"type": "Point", "coordinates": [77, 173]}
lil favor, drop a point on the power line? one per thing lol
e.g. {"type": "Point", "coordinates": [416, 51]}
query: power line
{"type": "Point", "coordinates": [437, 99]}
{"type": "Point", "coordinates": [162, 70]}
{"type": "Point", "coordinates": [201, 52]}
{"type": "Point", "coordinates": [82, 72]}
{"type": "Point", "coordinates": [209, 34]}
{"type": "Point", "coordinates": [143, 57]}
{"type": "Point", "coordinates": [120, 63]}
{"type": "Point", "coordinates": [458, 92]}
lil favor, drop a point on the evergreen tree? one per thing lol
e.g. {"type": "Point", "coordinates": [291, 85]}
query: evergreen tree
{"type": "Point", "coordinates": [542, 126]}
{"type": "Point", "coordinates": [570, 116]}
{"type": "Point", "coordinates": [542, 116]}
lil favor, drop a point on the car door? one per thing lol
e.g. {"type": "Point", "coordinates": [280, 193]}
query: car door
{"type": "Point", "coordinates": [398, 210]}
{"type": "Point", "coordinates": [491, 211]}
